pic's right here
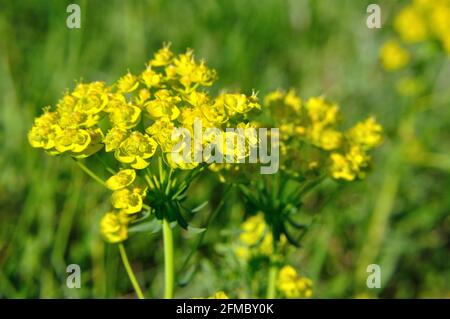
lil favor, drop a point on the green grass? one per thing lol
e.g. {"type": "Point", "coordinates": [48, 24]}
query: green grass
{"type": "Point", "coordinates": [49, 209]}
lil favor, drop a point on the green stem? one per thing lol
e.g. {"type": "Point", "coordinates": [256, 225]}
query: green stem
{"type": "Point", "coordinates": [130, 272]}
{"type": "Point", "coordinates": [90, 173]}
{"type": "Point", "coordinates": [168, 260]}
{"type": "Point", "coordinates": [271, 281]}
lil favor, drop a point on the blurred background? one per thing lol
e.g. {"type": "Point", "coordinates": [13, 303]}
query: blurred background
{"type": "Point", "coordinates": [398, 217]}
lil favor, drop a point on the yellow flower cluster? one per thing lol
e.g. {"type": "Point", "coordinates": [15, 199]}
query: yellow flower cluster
{"type": "Point", "coordinates": [140, 112]}
{"type": "Point", "coordinates": [135, 119]}
{"type": "Point", "coordinates": [71, 128]}
{"type": "Point", "coordinates": [393, 56]}
{"type": "Point", "coordinates": [291, 285]}
{"type": "Point", "coordinates": [256, 238]}
{"type": "Point", "coordinates": [425, 19]}
{"type": "Point", "coordinates": [310, 138]}
{"type": "Point", "coordinates": [127, 201]}
{"type": "Point", "coordinates": [419, 21]}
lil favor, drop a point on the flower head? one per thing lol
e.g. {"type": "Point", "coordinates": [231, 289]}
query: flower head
{"type": "Point", "coordinates": [291, 285]}
{"type": "Point", "coordinates": [136, 149]}
{"type": "Point", "coordinates": [113, 227]}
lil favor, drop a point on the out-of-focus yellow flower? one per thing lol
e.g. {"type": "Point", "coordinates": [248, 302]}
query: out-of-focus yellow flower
{"type": "Point", "coordinates": [393, 56]}
{"type": "Point", "coordinates": [253, 229]}
{"type": "Point", "coordinates": [122, 179]}
{"type": "Point", "coordinates": [341, 167]}
{"type": "Point", "coordinates": [136, 149]}
{"type": "Point", "coordinates": [321, 112]}
{"type": "Point", "coordinates": [293, 101]}
{"type": "Point", "coordinates": [350, 165]}
{"type": "Point", "coordinates": [411, 25]}
{"type": "Point", "coordinates": [291, 285]}
{"type": "Point", "coordinates": [366, 134]}
{"type": "Point", "coordinates": [256, 238]}
{"type": "Point", "coordinates": [113, 227]}
{"type": "Point", "coordinates": [327, 139]}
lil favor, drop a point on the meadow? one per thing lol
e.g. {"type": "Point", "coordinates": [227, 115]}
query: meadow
{"type": "Point", "coordinates": [397, 216]}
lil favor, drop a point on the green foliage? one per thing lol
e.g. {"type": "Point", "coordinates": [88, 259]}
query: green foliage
{"type": "Point", "coordinates": [50, 211]}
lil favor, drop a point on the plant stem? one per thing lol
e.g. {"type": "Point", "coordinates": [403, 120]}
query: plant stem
{"type": "Point", "coordinates": [90, 173]}
{"type": "Point", "coordinates": [130, 272]}
{"type": "Point", "coordinates": [271, 281]}
{"type": "Point", "coordinates": [168, 260]}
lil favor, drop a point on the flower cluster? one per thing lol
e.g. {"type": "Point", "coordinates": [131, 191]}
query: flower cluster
{"type": "Point", "coordinates": [418, 22]}
{"type": "Point", "coordinates": [255, 239]}
{"type": "Point", "coordinates": [127, 200]}
{"type": "Point", "coordinates": [135, 119]}
{"type": "Point", "coordinates": [310, 139]}
{"type": "Point", "coordinates": [291, 285]}
{"type": "Point", "coordinates": [137, 114]}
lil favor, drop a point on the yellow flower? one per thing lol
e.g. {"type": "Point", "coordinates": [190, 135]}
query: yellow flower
{"type": "Point", "coordinates": [327, 139]}
{"type": "Point", "coordinates": [162, 57]}
{"type": "Point", "coordinates": [136, 149]}
{"type": "Point", "coordinates": [188, 72]}
{"type": "Point", "coordinates": [151, 78]}
{"type": "Point", "coordinates": [142, 97]}
{"type": "Point", "coordinates": [293, 101]}
{"type": "Point", "coordinates": [319, 111]}
{"type": "Point", "coordinates": [410, 24]}
{"type": "Point", "coordinates": [366, 134]}
{"type": "Point", "coordinates": [161, 130]}
{"type": "Point", "coordinates": [253, 229]}
{"type": "Point", "coordinates": [43, 132]}
{"type": "Point", "coordinates": [393, 56]}
{"type": "Point", "coordinates": [341, 167]}
{"type": "Point", "coordinates": [127, 200]}
{"type": "Point", "coordinates": [114, 138]}
{"type": "Point", "coordinates": [238, 103]}
{"type": "Point", "coordinates": [350, 165]}
{"type": "Point", "coordinates": [71, 139]}
{"type": "Point", "coordinates": [164, 105]}
{"type": "Point", "coordinates": [125, 115]}
{"type": "Point", "coordinates": [113, 227]}
{"type": "Point", "coordinates": [291, 285]}
{"type": "Point", "coordinates": [127, 83]}
{"type": "Point", "coordinates": [90, 98]}
{"type": "Point", "coordinates": [273, 97]}
{"type": "Point", "coordinates": [121, 180]}
{"type": "Point", "coordinates": [95, 144]}
{"type": "Point", "coordinates": [357, 158]}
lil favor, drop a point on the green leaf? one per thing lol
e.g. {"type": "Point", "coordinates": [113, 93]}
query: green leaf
{"type": "Point", "coordinates": [151, 227]}
{"type": "Point", "coordinates": [191, 230]}
{"type": "Point", "coordinates": [199, 207]}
